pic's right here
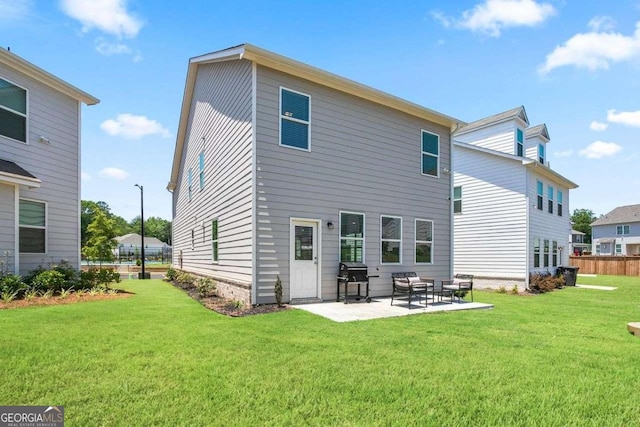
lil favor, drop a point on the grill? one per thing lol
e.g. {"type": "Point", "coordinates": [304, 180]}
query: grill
{"type": "Point", "coordinates": [353, 273]}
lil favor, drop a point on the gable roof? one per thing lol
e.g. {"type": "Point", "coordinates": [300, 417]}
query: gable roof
{"type": "Point", "coordinates": [14, 61]}
{"type": "Point", "coordinates": [290, 66]}
{"type": "Point", "coordinates": [514, 113]}
{"type": "Point", "coordinates": [136, 240]}
{"type": "Point", "coordinates": [619, 215]}
{"type": "Point", "coordinates": [579, 233]}
{"type": "Point", "coordinates": [12, 173]}
{"type": "Point", "coordinates": [539, 130]}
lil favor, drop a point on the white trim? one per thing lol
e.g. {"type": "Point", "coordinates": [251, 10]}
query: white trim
{"type": "Point", "coordinates": [363, 238]}
{"type": "Point", "coordinates": [422, 153]}
{"type": "Point", "coordinates": [10, 178]}
{"type": "Point", "coordinates": [25, 115]}
{"type": "Point", "coordinates": [16, 230]}
{"type": "Point", "coordinates": [281, 117]}
{"type": "Point", "coordinates": [79, 178]}
{"type": "Point", "coordinates": [45, 228]}
{"type": "Point", "coordinates": [220, 56]}
{"type": "Point", "coordinates": [623, 233]}
{"type": "Point", "coordinates": [415, 241]}
{"type": "Point", "coordinates": [201, 176]}
{"type": "Point", "coordinates": [318, 237]}
{"type": "Point", "coordinates": [453, 199]}
{"type": "Point", "coordinates": [391, 240]}
{"type": "Point", "coordinates": [520, 143]}
{"type": "Point", "coordinates": [254, 182]}
{"type": "Point", "coordinates": [213, 258]}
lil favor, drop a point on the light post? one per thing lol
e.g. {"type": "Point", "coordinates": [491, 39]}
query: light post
{"type": "Point", "coordinates": [142, 226]}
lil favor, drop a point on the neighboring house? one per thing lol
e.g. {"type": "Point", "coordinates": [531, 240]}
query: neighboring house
{"type": "Point", "coordinates": [130, 245]}
{"type": "Point", "coordinates": [618, 232]}
{"type": "Point", "coordinates": [511, 210]}
{"type": "Point", "coordinates": [285, 170]}
{"type": "Point", "coordinates": [577, 245]}
{"type": "Point", "coordinates": [39, 166]}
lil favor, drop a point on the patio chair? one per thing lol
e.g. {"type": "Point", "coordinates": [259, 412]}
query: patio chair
{"type": "Point", "coordinates": [408, 283]}
{"type": "Point", "coordinates": [461, 282]}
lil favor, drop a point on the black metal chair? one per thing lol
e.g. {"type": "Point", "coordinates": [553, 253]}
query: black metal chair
{"type": "Point", "coordinates": [460, 283]}
{"type": "Point", "coordinates": [441, 291]}
{"type": "Point", "coordinates": [408, 283]}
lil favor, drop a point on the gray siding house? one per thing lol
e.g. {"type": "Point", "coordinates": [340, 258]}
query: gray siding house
{"type": "Point", "coordinates": [617, 232]}
{"type": "Point", "coordinates": [283, 169]}
{"type": "Point", "coordinates": [39, 166]}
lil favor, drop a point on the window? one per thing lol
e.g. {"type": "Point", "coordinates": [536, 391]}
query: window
{"type": "Point", "coordinates": [545, 255]}
{"type": "Point", "coordinates": [430, 153]}
{"type": "Point", "coordinates": [618, 249]}
{"type": "Point", "coordinates": [554, 251]}
{"type": "Point", "coordinates": [294, 119]}
{"type": "Point", "coordinates": [622, 229]}
{"type": "Point", "coordinates": [550, 197]}
{"type": "Point", "coordinates": [214, 240]}
{"type": "Point", "coordinates": [351, 237]}
{"type": "Point", "coordinates": [390, 240]}
{"type": "Point", "coordinates": [33, 227]}
{"type": "Point", "coordinates": [189, 183]}
{"type": "Point", "coordinates": [536, 252]}
{"type": "Point", "coordinates": [541, 153]}
{"type": "Point", "coordinates": [540, 194]}
{"type": "Point", "coordinates": [201, 161]}
{"type": "Point", "coordinates": [559, 203]}
{"type": "Point", "coordinates": [457, 199]}
{"type": "Point", "coordinates": [598, 249]}
{"type": "Point", "coordinates": [519, 143]}
{"type": "Point", "coordinates": [13, 111]}
{"type": "Point", "coordinates": [424, 241]}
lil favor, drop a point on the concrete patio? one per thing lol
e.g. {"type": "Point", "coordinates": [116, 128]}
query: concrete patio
{"type": "Point", "coordinates": [381, 307]}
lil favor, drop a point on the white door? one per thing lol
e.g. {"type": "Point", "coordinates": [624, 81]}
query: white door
{"type": "Point", "coordinates": [304, 259]}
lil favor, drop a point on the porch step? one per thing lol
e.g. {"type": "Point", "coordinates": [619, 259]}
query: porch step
{"type": "Point", "coordinates": [297, 301]}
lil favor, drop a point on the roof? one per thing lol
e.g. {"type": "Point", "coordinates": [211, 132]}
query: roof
{"type": "Point", "coordinates": [619, 215]}
{"type": "Point", "coordinates": [580, 233]}
{"type": "Point", "coordinates": [14, 61]}
{"type": "Point", "coordinates": [539, 130]}
{"type": "Point", "coordinates": [14, 174]}
{"type": "Point", "coordinates": [514, 113]}
{"type": "Point", "coordinates": [136, 240]}
{"type": "Point", "coordinates": [287, 65]}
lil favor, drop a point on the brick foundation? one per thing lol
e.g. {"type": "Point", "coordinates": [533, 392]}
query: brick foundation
{"type": "Point", "coordinates": [229, 289]}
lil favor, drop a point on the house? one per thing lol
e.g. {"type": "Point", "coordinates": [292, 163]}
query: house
{"type": "Point", "coordinates": [129, 247]}
{"type": "Point", "coordinates": [39, 166]}
{"type": "Point", "coordinates": [617, 232]}
{"type": "Point", "coordinates": [511, 210]}
{"type": "Point", "coordinates": [577, 243]}
{"type": "Point", "coordinates": [284, 170]}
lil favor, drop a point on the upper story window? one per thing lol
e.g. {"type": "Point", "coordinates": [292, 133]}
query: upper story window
{"type": "Point", "coordinates": [424, 241]}
{"type": "Point", "coordinates": [622, 230]}
{"type": "Point", "coordinates": [519, 142]}
{"type": "Point", "coordinates": [33, 227]}
{"type": "Point", "coordinates": [201, 164]}
{"type": "Point", "coordinates": [559, 203]}
{"type": "Point", "coordinates": [541, 153]}
{"type": "Point", "coordinates": [351, 237]}
{"type": "Point", "coordinates": [550, 197]}
{"type": "Point", "coordinates": [294, 119]}
{"type": "Point", "coordinates": [390, 240]}
{"type": "Point", "coordinates": [540, 188]}
{"type": "Point", "coordinates": [457, 199]}
{"type": "Point", "coordinates": [13, 111]}
{"type": "Point", "coordinates": [430, 153]}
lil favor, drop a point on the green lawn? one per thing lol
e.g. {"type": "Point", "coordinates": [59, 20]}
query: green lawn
{"type": "Point", "coordinates": [159, 358]}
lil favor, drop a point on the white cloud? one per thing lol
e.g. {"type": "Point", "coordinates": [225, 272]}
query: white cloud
{"type": "Point", "coordinates": [114, 173]}
{"type": "Point", "coordinates": [133, 127]}
{"type": "Point", "coordinates": [492, 16]}
{"type": "Point", "coordinates": [12, 10]}
{"type": "Point", "coordinates": [565, 153]}
{"type": "Point", "coordinates": [602, 23]}
{"type": "Point", "coordinates": [85, 176]}
{"type": "Point", "coordinates": [600, 149]}
{"type": "Point", "coordinates": [109, 16]}
{"type": "Point", "coordinates": [108, 49]}
{"type": "Point", "coordinates": [628, 118]}
{"type": "Point", "coordinates": [594, 50]}
{"type": "Point", "coordinates": [598, 126]}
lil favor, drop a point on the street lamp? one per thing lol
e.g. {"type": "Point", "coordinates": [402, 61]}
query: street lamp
{"type": "Point", "coordinates": [142, 226]}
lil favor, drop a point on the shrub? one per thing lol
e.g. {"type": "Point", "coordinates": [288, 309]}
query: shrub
{"type": "Point", "coordinates": [7, 296]}
{"type": "Point", "coordinates": [501, 289]}
{"type": "Point", "coordinates": [28, 279]}
{"type": "Point", "coordinates": [278, 291]}
{"type": "Point", "coordinates": [106, 276]}
{"type": "Point", "coordinates": [205, 287]}
{"type": "Point", "coordinates": [138, 262]}
{"type": "Point", "coordinates": [71, 275]}
{"type": "Point", "coordinates": [185, 280]}
{"type": "Point", "coordinates": [171, 274]}
{"type": "Point", "coordinates": [515, 290]}
{"type": "Point", "coordinates": [12, 283]}
{"type": "Point", "coordinates": [545, 282]}
{"type": "Point", "coordinates": [49, 280]}
{"type": "Point", "coordinates": [98, 277]}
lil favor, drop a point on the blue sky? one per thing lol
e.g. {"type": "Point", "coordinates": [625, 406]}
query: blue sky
{"type": "Point", "coordinates": [574, 65]}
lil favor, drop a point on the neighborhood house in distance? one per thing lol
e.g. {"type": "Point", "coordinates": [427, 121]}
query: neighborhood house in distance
{"type": "Point", "coordinates": [617, 232]}
{"type": "Point", "coordinates": [39, 166]}
{"type": "Point", "coordinates": [285, 170]}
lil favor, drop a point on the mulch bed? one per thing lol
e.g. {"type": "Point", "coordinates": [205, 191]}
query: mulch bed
{"type": "Point", "coordinates": [57, 300]}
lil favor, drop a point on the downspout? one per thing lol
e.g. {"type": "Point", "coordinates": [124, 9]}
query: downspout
{"type": "Point", "coordinates": [451, 217]}
{"type": "Point", "coordinates": [527, 250]}
{"type": "Point", "coordinates": [254, 183]}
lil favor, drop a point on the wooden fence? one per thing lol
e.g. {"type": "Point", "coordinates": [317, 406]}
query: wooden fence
{"type": "Point", "coordinates": [611, 265]}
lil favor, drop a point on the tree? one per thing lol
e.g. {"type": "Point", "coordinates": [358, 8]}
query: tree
{"type": "Point", "coordinates": [101, 240]}
{"type": "Point", "coordinates": [581, 220]}
{"type": "Point", "coordinates": [88, 210]}
{"type": "Point", "coordinates": [153, 227]}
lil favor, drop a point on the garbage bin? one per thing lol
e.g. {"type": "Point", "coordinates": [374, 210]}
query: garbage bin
{"type": "Point", "coordinates": [570, 275]}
